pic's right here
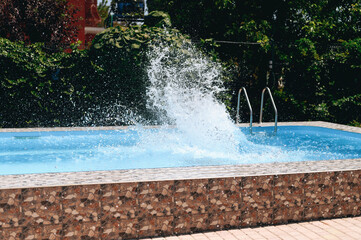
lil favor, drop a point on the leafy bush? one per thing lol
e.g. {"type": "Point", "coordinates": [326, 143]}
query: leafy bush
{"type": "Point", "coordinates": [314, 46]}
{"type": "Point", "coordinates": [32, 21]}
{"type": "Point", "coordinates": [103, 10]}
{"type": "Point", "coordinates": [37, 88]}
{"type": "Point", "coordinates": [119, 55]}
{"type": "Point", "coordinates": [89, 87]}
{"type": "Point", "coordinates": [347, 109]}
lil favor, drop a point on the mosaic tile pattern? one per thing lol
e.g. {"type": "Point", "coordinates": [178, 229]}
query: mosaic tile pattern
{"type": "Point", "coordinates": [81, 204]}
{"type": "Point", "coordinates": [190, 223]}
{"type": "Point", "coordinates": [122, 229]}
{"type": "Point", "coordinates": [119, 202]}
{"type": "Point", "coordinates": [224, 195]}
{"type": "Point", "coordinates": [163, 208]}
{"type": "Point", "coordinates": [190, 197]}
{"type": "Point", "coordinates": [10, 209]}
{"type": "Point", "coordinates": [41, 206]}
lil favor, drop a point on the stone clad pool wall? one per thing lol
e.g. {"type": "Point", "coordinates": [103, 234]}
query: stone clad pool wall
{"type": "Point", "coordinates": [162, 208]}
{"type": "Point", "coordinates": [130, 204]}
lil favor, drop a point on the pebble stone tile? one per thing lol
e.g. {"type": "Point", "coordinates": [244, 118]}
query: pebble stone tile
{"type": "Point", "coordinates": [128, 204]}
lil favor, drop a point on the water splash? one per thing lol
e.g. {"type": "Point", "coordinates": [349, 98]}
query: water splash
{"type": "Point", "coordinates": [182, 93]}
{"type": "Point", "coordinates": [183, 89]}
{"type": "Point", "coordinates": [110, 115]}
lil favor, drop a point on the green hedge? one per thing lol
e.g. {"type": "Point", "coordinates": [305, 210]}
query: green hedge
{"type": "Point", "coordinates": [99, 86]}
{"type": "Point", "coordinates": [119, 55]}
{"type": "Point", "coordinates": [102, 85]}
{"type": "Point", "coordinates": [35, 86]}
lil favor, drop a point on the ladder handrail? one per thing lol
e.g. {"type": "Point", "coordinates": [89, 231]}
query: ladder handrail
{"type": "Point", "coordinates": [274, 107]}
{"type": "Point", "coordinates": [249, 105]}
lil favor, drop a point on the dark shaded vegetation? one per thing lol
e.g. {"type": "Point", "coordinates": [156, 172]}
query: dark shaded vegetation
{"type": "Point", "coordinates": [39, 88]}
{"type": "Point", "coordinates": [103, 10]}
{"type": "Point", "coordinates": [32, 21]}
{"type": "Point", "coordinates": [315, 49]}
{"type": "Point", "coordinates": [99, 86]}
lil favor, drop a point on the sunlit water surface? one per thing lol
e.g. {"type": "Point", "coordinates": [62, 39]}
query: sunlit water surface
{"type": "Point", "coordinates": [40, 152]}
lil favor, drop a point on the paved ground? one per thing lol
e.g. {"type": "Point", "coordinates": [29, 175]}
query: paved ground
{"type": "Point", "coordinates": [342, 228]}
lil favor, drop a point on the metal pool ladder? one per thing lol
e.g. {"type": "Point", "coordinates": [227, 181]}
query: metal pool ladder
{"type": "Point", "coordinates": [249, 105]}
{"type": "Point", "coordinates": [274, 107]}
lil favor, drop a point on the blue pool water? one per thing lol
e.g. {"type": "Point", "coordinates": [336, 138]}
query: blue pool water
{"type": "Point", "coordinates": [41, 152]}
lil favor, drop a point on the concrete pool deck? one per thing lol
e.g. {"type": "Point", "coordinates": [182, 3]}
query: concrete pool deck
{"type": "Point", "coordinates": [131, 204]}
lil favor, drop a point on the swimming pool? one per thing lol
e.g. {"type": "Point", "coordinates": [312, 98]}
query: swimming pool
{"type": "Point", "coordinates": [138, 203]}
{"type": "Point", "coordinates": [94, 150]}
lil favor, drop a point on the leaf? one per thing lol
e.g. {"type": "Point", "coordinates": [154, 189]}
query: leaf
{"type": "Point", "coordinates": [135, 46]}
{"type": "Point", "coordinates": [97, 45]}
{"type": "Point", "coordinates": [118, 45]}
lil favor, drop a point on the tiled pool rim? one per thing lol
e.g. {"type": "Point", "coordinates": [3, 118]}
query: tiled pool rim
{"type": "Point", "coordinates": [154, 202]}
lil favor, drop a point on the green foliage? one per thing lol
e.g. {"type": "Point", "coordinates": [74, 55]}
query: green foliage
{"type": "Point", "coordinates": [314, 46]}
{"type": "Point", "coordinates": [62, 89]}
{"type": "Point", "coordinates": [33, 84]}
{"type": "Point", "coordinates": [347, 109]}
{"type": "Point", "coordinates": [158, 19]}
{"type": "Point", "coordinates": [119, 55]}
{"type": "Point", "coordinates": [103, 10]}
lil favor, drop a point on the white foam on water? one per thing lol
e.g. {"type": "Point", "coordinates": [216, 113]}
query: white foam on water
{"type": "Point", "coordinates": [183, 87]}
